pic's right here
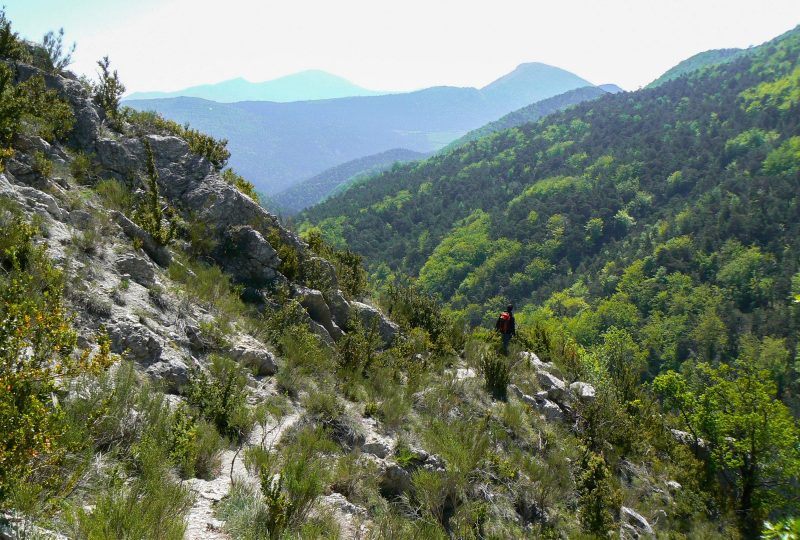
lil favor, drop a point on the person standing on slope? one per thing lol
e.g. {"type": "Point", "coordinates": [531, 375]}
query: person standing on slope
{"type": "Point", "coordinates": [507, 327]}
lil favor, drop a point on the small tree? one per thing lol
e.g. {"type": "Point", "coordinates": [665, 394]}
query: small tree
{"type": "Point", "coordinates": [58, 57]}
{"type": "Point", "coordinates": [158, 222]}
{"type": "Point", "coordinates": [109, 90]}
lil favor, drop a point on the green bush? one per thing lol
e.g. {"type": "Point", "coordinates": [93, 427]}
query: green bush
{"type": "Point", "coordinates": [83, 168]}
{"type": "Point", "coordinates": [58, 58]}
{"type": "Point", "coordinates": [599, 496]}
{"type": "Point", "coordinates": [348, 264]}
{"type": "Point", "coordinates": [496, 375]}
{"type": "Point", "coordinates": [161, 224]}
{"type": "Point", "coordinates": [38, 350]}
{"type": "Point", "coordinates": [221, 397]}
{"type": "Point", "coordinates": [114, 194]}
{"type": "Point", "coordinates": [109, 90]}
{"type": "Point", "coordinates": [148, 507]}
{"type": "Point", "coordinates": [196, 446]}
{"type": "Point", "coordinates": [42, 165]}
{"type": "Point", "coordinates": [241, 184]}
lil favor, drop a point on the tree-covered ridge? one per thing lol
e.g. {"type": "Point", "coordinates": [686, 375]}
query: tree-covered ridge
{"type": "Point", "coordinates": [579, 183]}
{"type": "Point", "coordinates": [696, 62]}
{"type": "Point", "coordinates": [531, 113]}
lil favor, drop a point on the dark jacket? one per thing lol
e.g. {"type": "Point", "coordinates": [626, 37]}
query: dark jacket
{"type": "Point", "coordinates": [512, 327]}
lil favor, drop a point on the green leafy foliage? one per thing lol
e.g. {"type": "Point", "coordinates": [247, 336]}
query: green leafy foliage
{"type": "Point", "coordinates": [57, 56]}
{"type": "Point", "coordinates": [109, 90]}
{"type": "Point", "coordinates": [161, 224]}
{"type": "Point", "coordinates": [240, 183]}
{"type": "Point", "coordinates": [38, 348]}
{"type": "Point", "coordinates": [220, 397]}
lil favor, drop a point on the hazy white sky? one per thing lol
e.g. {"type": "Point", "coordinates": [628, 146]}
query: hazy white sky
{"type": "Point", "coordinates": [396, 45]}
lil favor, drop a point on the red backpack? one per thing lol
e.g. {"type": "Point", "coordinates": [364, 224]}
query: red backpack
{"type": "Point", "coordinates": [504, 324]}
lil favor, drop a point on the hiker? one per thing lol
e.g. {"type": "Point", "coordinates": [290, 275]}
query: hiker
{"type": "Point", "coordinates": [507, 327]}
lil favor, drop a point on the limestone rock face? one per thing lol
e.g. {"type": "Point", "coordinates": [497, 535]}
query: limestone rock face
{"type": "Point", "coordinates": [248, 256]}
{"type": "Point", "coordinates": [136, 341]}
{"type": "Point", "coordinates": [638, 526]}
{"type": "Point", "coordinates": [158, 253]}
{"type": "Point", "coordinates": [340, 309]}
{"type": "Point", "coordinates": [253, 354]}
{"type": "Point", "coordinates": [314, 303]}
{"type": "Point", "coordinates": [370, 315]}
{"type": "Point", "coordinates": [139, 269]}
{"type": "Point", "coordinates": [555, 387]}
{"type": "Point", "coordinates": [583, 391]}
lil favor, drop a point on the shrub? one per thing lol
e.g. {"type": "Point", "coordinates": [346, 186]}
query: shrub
{"type": "Point", "coordinates": [496, 375]}
{"type": "Point", "coordinates": [42, 165]}
{"type": "Point", "coordinates": [37, 350]}
{"type": "Point", "coordinates": [196, 446]}
{"type": "Point", "coordinates": [348, 264]}
{"type": "Point", "coordinates": [221, 397]}
{"type": "Point", "coordinates": [160, 224]}
{"type": "Point", "coordinates": [290, 492]}
{"type": "Point", "coordinates": [149, 507]}
{"type": "Point", "coordinates": [599, 497]}
{"type": "Point", "coordinates": [57, 57]}
{"type": "Point", "coordinates": [114, 194]}
{"type": "Point", "coordinates": [83, 168]}
{"type": "Point", "coordinates": [109, 90]}
{"type": "Point", "coordinates": [241, 184]}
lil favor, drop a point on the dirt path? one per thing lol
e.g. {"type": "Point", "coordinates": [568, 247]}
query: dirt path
{"type": "Point", "coordinates": [202, 525]}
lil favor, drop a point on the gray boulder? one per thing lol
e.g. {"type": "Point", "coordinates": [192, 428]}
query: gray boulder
{"type": "Point", "coordinates": [533, 360]}
{"type": "Point", "coordinates": [583, 391]}
{"type": "Point", "coordinates": [138, 342]}
{"type": "Point", "coordinates": [313, 302]}
{"type": "Point", "coordinates": [555, 387]}
{"type": "Point", "coordinates": [370, 315]}
{"type": "Point", "coordinates": [637, 522]}
{"type": "Point", "coordinates": [395, 481]}
{"type": "Point", "coordinates": [160, 254]}
{"type": "Point", "coordinates": [173, 371]}
{"type": "Point", "coordinates": [248, 256]}
{"type": "Point", "coordinates": [340, 309]}
{"type": "Point", "coordinates": [140, 270]}
{"type": "Point", "coordinates": [255, 356]}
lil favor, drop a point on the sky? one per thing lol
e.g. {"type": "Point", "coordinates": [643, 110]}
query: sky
{"type": "Point", "coordinates": [395, 45]}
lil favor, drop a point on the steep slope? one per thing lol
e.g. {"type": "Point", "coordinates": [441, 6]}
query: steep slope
{"type": "Point", "coordinates": [531, 113]}
{"type": "Point", "coordinates": [698, 61]}
{"type": "Point", "coordinates": [315, 189]}
{"type": "Point", "coordinates": [303, 86]}
{"type": "Point", "coordinates": [276, 145]}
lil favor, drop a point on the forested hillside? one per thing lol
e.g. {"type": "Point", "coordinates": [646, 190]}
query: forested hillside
{"type": "Point", "coordinates": [662, 222]}
{"type": "Point", "coordinates": [531, 113]}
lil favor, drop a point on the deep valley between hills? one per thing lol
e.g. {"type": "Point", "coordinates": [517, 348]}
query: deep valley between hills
{"type": "Point", "coordinates": [178, 362]}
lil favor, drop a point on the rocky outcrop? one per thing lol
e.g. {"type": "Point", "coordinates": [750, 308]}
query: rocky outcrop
{"type": "Point", "coordinates": [634, 525]}
{"type": "Point", "coordinates": [157, 252]}
{"type": "Point", "coordinates": [248, 256]}
{"type": "Point", "coordinates": [370, 316]}
{"type": "Point", "coordinates": [314, 303]}
{"type": "Point", "coordinates": [254, 355]}
{"type": "Point", "coordinates": [137, 268]}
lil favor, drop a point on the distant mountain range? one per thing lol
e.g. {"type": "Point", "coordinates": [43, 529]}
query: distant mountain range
{"type": "Point", "coordinates": [276, 145]}
{"type": "Point", "coordinates": [303, 86]}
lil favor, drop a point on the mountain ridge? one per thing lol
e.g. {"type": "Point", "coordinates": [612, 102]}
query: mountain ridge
{"type": "Point", "coordinates": [308, 85]}
{"type": "Point", "coordinates": [276, 145]}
